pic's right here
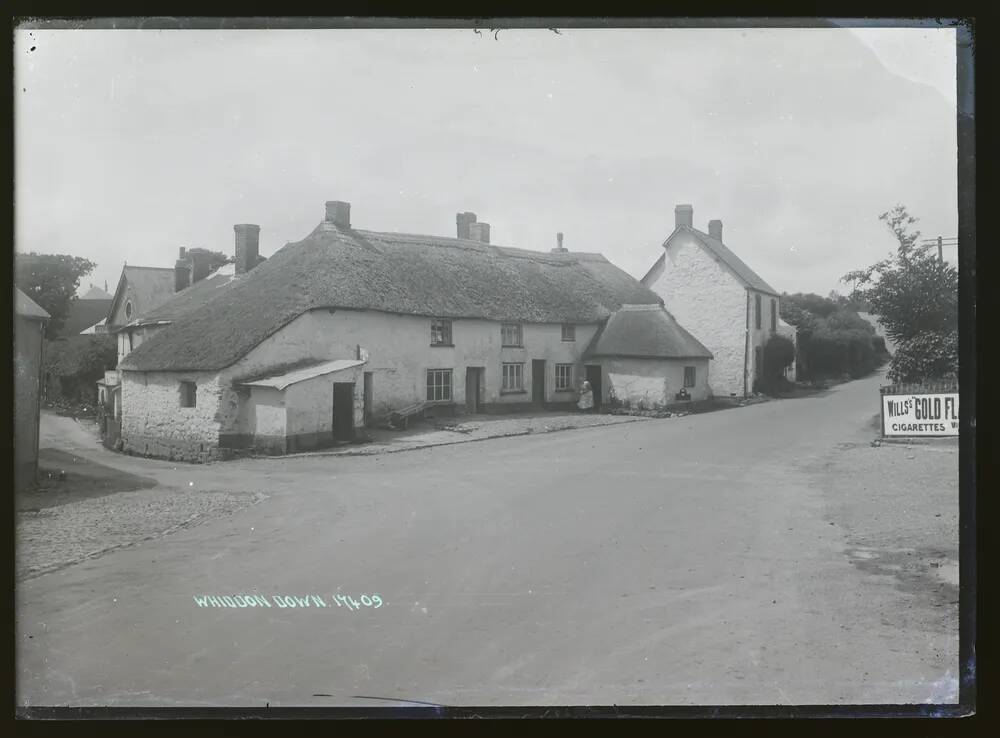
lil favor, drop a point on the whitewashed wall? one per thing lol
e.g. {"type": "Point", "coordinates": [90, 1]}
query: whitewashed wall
{"type": "Point", "coordinates": [710, 303]}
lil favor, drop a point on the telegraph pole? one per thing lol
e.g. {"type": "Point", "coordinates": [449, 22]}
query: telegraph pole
{"type": "Point", "coordinates": [941, 242]}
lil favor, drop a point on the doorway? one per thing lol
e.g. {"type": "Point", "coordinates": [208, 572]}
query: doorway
{"type": "Point", "coordinates": [368, 399]}
{"type": "Point", "coordinates": [343, 411]}
{"type": "Point", "coordinates": [473, 387]}
{"type": "Point", "coordinates": [594, 377]}
{"type": "Point", "coordinates": [538, 381]}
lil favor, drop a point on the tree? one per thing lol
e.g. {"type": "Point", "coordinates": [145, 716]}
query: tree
{"type": "Point", "coordinates": [779, 353]}
{"type": "Point", "coordinates": [51, 280]}
{"type": "Point", "coordinates": [915, 297]}
{"type": "Point", "coordinates": [833, 340]}
{"type": "Point", "coordinates": [214, 259]}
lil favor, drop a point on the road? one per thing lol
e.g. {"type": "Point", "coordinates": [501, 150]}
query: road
{"type": "Point", "coordinates": [678, 561]}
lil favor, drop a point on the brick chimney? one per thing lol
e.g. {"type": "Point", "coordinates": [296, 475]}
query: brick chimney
{"type": "Point", "coordinates": [559, 247]}
{"type": "Point", "coordinates": [338, 213]}
{"type": "Point", "coordinates": [684, 216]}
{"type": "Point", "coordinates": [464, 222]}
{"type": "Point", "coordinates": [182, 271]}
{"type": "Point", "coordinates": [247, 246]}
{"type": "Point", "coordinates": [715, 229]}
{"type": "Point", "coordinates": [479, 232]}
{"type": "Point", "coordinates": [199, 265]}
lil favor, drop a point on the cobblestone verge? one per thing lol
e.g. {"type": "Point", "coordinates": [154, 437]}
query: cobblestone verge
{"type": "Point", "coordinates": [55, 537]}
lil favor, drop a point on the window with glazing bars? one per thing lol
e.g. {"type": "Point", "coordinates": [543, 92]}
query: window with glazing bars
{"type": "Point", "coordinates": [438, 385]}
{"type": "Point", "coordinates": [513, 377]}
{"type": "Point", "coordinates": [440, 332]}
{"type": "Point", "coordinates": [510, 334]}
{"type": "Point", "coordinates": [564, 376]}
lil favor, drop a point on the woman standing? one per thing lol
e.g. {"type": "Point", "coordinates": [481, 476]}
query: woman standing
{"type": "Point", "coordinates": [586, 401]}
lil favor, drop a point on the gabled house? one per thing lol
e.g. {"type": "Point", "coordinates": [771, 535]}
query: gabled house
{"type": "Point", "coordinates": [29, 329]}
{"type": "Point", "coordinates": [150, 298]}
{"type": "Point", "coordinates": [716, 296]}
{"type": "Point", "coordinates": [349, 324]}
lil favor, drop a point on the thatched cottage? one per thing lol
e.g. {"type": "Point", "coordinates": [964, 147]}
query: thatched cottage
{"type": "Point", "coordinates": [347, 325]}
{"type": "Point", "coordinates": [714, 294]}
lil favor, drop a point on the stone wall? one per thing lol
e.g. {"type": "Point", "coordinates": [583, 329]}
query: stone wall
{"type": "Point", "coordinates": [710, 302]}
{"type": "Point", "coordinates": [155, 424]}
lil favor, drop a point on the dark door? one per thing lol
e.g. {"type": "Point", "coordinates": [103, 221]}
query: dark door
{"type": "Point", "coordinates": [473, 382]}
{"type": "Point", "coordinates": [368, 398]}
{"type": "Point", "coordinates": [343, 411]}
{"type": "Point", "coordinates": [538, 381]}
{"type": "Point", "coordinates": [594, 377]}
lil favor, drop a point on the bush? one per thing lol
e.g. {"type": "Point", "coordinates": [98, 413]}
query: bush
{"type": "Point", "coordinates": [927, 356]}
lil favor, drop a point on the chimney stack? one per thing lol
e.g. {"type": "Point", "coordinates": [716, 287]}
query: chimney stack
{"type": "Point", "coordinates": [684, 216]}
{"type": "Point", "coordinates": [200, 267]}
{"type": "Point", "coordinates": [182, 272]}
{"type": "Point", "coordinates": [479, 232]}
{"type": "Point", "coordinates": [338, 213]}
{"type": "Point", "coordinates": [715, 229]}
{"type": "Point", "coordinates": [559, 247]}
{"type": "Point", "coordinates": [247, 246]}
{"type": "Point", "coordinates": [464, 222]}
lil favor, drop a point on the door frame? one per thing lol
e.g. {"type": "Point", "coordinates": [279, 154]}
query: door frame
{"type": "Point", "coordinates": [338, 417]}
{"type": "Point", "coordinates": [538, 369]}
{"type": "Point", "coordinates": [591, 371]}
{"type": "Point", "coordinates": [474, 388]}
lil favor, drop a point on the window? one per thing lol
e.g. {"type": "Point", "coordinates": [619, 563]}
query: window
{"type": "Point", "coordinates": [189, 394]}
{"type": "Point", "coordinates": [510, 334]}
{"type": "Point", "coordinates": [438, 385]}
{"type": "Point", "coordinates": [774, 315]}
{"type": "Point", "coordinates": [689, 376]}
{"type": "Point", "coordinates": [564, 377]}
{"type": "Point", "coordinates": [513, 378]}
{"type": "Point", "coordinates": [441, 332]}
{"type": "Point", "coordinates": [128, 310]}
{"type": "Point", "coordinates": [756, 300]}
{"type": "Point", "coordinates": [568, 332]}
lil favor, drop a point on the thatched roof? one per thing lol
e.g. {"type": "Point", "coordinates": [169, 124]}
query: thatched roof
{"type": "Point", "coordinates": [648, 332]}
{"type": "Point", "coordinates": [390, 272]}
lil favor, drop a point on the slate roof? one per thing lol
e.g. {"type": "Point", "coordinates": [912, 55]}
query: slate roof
{"type": "Point", "coordinates": [311, 371]}
{"type": "Point", "coordinates": [391, 272]}
{"type": "Point", "coordinates": [648, 332]}
{"type": "Point", "coordinates": [96, 293]}
{"type": "Point", "coordinates": [83, 314]}
{"type": "Point", "coordinates": [28, 308]}
{"type": "Point", "coordinates": [152, 287]}
{"type": "Point", "coordinates": [188, 299]}
{"type": "Point", "coordinates": [739, 267]}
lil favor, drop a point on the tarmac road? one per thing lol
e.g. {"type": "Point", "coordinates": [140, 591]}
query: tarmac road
{"type": "Point", "coordinates": [678, 561]}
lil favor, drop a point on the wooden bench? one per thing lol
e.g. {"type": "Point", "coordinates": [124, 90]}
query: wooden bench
{"type": "Point", "coordinates": [401, 418]}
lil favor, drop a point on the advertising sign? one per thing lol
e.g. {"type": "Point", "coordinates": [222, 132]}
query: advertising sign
{"type": "Point", "coordinates": [920, 414]}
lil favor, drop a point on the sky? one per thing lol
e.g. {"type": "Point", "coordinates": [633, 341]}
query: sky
{"type": "Point", "coordinates": [132, 143]}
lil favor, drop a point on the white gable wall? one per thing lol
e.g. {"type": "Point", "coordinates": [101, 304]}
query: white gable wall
{"type": "Point", "coordinates": [710, 302]}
